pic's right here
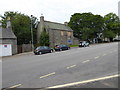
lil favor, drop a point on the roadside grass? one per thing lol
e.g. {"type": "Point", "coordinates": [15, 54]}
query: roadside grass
{"type": "Point", "coordinates": [73, 45]}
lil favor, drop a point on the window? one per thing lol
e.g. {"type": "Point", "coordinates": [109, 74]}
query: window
{"type": "Point", "coordinates": [62, 33]}
{"type": "Point", "coordinates": [69, 34]}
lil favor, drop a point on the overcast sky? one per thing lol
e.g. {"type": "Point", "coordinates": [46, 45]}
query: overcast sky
{"type": "Point", "coordinates": [59, 10]}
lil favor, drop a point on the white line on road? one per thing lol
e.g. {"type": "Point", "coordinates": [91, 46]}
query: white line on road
{"type": "Point", "coordinates": [15, 86]}
{"type": "Point", "coordinates": [96, 57]}
{"type": "Point", "coordinates": [71, 66]}
{"type": "Point", "coordinates": [104, 54]}
{"type": "Point", "coordinates": [83, 82]}
{"type": "Point", "coordinates": [111, 52]}
{"type": "Point", "coordinates": [85, 61]}
{"type": "Point", "coordinates": [47, 75]}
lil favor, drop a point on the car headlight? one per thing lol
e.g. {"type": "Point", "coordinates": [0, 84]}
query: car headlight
{"type": "Point", "coordinates": [36, 51]}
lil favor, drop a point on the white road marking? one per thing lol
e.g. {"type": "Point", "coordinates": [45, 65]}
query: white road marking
{"type": "Point", "coordinates": [47, 75]}
{"type": "Point", "coordinates": [85, 61]}
{"type": "Point", "coordinates": [111, 52]}
{"type": "Point", "coordinates": [83, 82]}
{"type": "Point", "coordinates": [104, 54]}
{"type": "Point", "coordinates": [96, 57]}
{"type": "Point", "coordinates": [15, 86]}
{"type": "Point", "coordinates": [71, 66]}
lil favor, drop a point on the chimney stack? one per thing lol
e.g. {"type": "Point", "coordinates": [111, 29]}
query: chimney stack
{"type": "Point", "coordinates": [66, 23]}
{"type": "Point", "coordinates": [40, 27]}
{"type": "Point", "coordinates": [41, 24]}
{"type": "Point", "coordinates": [8, 23]}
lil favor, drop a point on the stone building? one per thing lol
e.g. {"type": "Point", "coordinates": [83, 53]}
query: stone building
{"type": "Point", "coordinates": [7, 37]}
{"type": "Point", "coordinates": [58, 33]}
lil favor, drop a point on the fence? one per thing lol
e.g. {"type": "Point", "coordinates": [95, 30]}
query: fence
{"type": "Point", "coordinates": [24, 48]}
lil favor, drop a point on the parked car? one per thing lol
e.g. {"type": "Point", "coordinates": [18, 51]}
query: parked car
{"type": "Point", "coordinates": [61, 47]}
{"type": "Point", "coordinates": [42, 50]}
{"type": "Point", "coordinates": [83, 44]}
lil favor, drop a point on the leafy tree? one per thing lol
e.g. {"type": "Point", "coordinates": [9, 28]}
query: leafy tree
{"type": "Point", "coordinates": [109, 34]}
{"type": "Point", "coordinates": [86, 25]}
{"type": "Point", "coordinates": [112, 25]}
{"type": "Point", "coordinates": [111, 18]}
{"type": "Point", "coordinates": [44, 39]}
{"type": "Point", "coordinates": [21, 26]}
{"type": "Point", "coordinates": [6, 15]}
{"type": "Point", "coordinates": [87, 34]}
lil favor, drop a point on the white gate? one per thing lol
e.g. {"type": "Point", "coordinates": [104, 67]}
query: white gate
{"type": "Point", "coordinates": [5, 50]}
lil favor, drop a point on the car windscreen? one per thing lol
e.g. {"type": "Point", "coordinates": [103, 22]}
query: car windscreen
{"type": "Point", "coordinates": [63, 46]}
{"type": "Point", "coordinates": [39, 48]}
{"type": "Point", "coordinates": [45, 47]}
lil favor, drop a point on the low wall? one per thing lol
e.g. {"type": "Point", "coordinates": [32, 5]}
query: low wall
{"type": "Point", "coordinates": [24, 48]}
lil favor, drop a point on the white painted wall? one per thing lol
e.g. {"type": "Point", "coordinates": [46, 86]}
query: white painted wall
{"type": "Point", "coordinates": [5, 50]}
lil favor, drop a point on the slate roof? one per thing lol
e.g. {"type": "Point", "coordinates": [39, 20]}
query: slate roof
{"type": "Point", "coordinates": [7, 33]}
{"type": "Point", "coordinates": [56, 26]}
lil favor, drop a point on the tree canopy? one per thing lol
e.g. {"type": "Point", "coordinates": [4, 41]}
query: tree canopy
{"type": "Point", "coordinates": [44, 39]}
{"type": "Point", "coordinates": [89, 26]}
{"type": "Point", "coordinates": [21, 26]}
{"type": "Point", "coordinates": [112, 26]}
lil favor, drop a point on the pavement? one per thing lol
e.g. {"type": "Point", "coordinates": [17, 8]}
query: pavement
{"type": "Point", "coordinates": [60, 68]}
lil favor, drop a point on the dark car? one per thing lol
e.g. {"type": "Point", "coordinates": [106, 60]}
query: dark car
{"type": "Point", "coordinates": [42, 50]}
{"type": "Point", "coordinates": [61, 47]}
{"type": "Point", "coordinates": [83, 44]}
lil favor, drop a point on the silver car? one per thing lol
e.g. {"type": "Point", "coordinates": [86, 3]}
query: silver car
{"type": "Point", "coordinates": [83, 44]}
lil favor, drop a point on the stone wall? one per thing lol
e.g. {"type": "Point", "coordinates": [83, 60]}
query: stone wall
{"type": "Point", "coordinates": [75, 41]}
{"type": "Point", "coordinates": [27, 47]}
{"type": "Point", "coordinates": [58, 37]}
{"type": "Point", "coordinates": [24, 48]}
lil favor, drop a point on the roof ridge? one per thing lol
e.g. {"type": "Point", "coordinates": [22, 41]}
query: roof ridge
{"type": "Point", "coordinates": [54, 22]}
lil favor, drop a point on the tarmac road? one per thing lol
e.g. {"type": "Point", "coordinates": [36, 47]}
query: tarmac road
{"type": "Point", "coordinates": [58, 68]}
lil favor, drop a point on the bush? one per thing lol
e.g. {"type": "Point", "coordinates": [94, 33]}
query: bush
{"type": "Point", "coordinates": [44, 39]}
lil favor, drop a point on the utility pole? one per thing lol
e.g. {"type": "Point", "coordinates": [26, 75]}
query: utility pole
{"type": "Point", "coordinates": [32, 34]}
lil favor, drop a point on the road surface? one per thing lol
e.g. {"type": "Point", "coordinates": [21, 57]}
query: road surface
{"type": "Point", "coordinates": [59, 68]}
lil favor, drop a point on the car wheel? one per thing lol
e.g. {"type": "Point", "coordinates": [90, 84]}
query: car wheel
{"type": "Point", "coordinates": [35, 54]}
{"type": "Point", "coordinates": [51, 51]}
{"type": "Point", "coordinates": [40, 53]}
{"type": "Point", "coordinates": [60, 49]}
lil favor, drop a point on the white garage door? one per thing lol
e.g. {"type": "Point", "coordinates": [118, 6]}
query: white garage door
{"type": "Point", "coordinates": [5, 50]}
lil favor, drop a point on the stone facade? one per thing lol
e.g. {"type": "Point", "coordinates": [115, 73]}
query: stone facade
{"type": "Point", "coordinates": [7, 37]}
{"type": "Point", "coordinates": [57, 37]}
{"type": "Point", "coordinates": [75, 41]}
{"type": "Point", "coordinates": [58, 33]}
